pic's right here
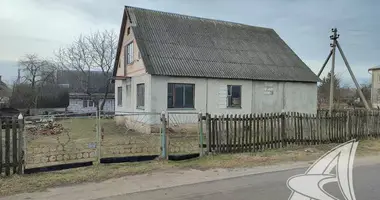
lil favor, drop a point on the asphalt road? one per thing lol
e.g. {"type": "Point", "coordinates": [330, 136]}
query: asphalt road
{"type": "Point", "coordinates": [262, 186]}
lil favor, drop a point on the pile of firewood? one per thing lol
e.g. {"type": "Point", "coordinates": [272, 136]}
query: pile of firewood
{"type": "Point", "coordinates": [49, 128]}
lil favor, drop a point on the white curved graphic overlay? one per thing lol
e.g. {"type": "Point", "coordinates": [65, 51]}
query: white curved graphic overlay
{"type": "Point", "coordinates": [309, 186]}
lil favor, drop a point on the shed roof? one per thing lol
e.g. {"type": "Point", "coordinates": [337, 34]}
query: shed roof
{"type": "Point", "coordinates": [374, 68]}
{"type": "Point", "coordinates": [180, 45]}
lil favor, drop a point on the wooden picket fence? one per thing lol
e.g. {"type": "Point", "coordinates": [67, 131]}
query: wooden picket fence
{"type": "Point", "coordinates": [257, 132]}
{"type": "Point", "coordinates": [11, 144]}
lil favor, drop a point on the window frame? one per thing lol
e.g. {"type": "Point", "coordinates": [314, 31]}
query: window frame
{"type": "Point", "coordinates": [229, 96]}
{"type": "Point", "coordinates": [91, 103]}
{"type": "Point", "coordinates": [119, 96]}
{"type": "Point", "coordinates": [171, 86]}
{"type": "Point", "coordinates": [129, 51]}
{"type": "Point", "coordinates": [138, 95]}
{"type": "Point", "coordinates": [85, 103]}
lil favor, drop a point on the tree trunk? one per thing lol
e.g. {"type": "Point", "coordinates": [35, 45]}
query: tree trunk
{"type": "Point", "coordinates": [105, 96]}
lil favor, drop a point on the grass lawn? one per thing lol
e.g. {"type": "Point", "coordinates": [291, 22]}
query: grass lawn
{"type": "Point", "coordinates": [41, 181]}
{"type": "Point", "coordinates": [118, 141]}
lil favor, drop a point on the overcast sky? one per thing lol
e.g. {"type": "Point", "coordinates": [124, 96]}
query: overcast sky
{"type": "Point", "coordinates": [42, 26]}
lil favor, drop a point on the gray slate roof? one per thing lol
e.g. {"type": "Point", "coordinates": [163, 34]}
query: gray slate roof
{"type": "Point", "coordinates": [78, 82]}
{"type": "Point", "coordinates": [179, 45]}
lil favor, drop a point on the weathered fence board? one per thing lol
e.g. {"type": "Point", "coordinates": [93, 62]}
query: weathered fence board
{"type": "Point", "coordinates": [258, 132]}
{"type": "Point", "coordinates": [10, 147]}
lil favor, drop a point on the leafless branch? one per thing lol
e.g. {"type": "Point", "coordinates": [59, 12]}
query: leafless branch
{"type": "Point", "coordinates": [94, 52]}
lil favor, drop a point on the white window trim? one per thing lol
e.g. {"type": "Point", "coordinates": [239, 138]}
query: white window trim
{"type": "Point", "coordinates": [119, 97]}
{"type": "Point", "coordinates": [142, 107]}
{"type": "Point", "coordinates": [130, 53]}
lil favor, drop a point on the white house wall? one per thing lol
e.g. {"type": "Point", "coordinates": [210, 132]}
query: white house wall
{"type": "Point", "coordinates": [210, 97]}
{"type": "Point", "coordinates": [76, 106]}
{"type": "Point", "coordinates": [375, 90]}
{"type": "Point", "coordinates": [301, 97]}
{"type": "Point", "coordinates": [129, 100]}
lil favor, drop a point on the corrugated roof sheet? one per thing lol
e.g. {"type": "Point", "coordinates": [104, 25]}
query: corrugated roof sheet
{"type": "Point", "coordinates": [178, 45]}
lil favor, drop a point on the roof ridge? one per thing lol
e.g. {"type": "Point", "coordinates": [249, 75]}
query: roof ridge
{"type": "Point", "coordinates": [201, 18]}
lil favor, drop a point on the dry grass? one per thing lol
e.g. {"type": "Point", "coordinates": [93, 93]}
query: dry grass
{"type": "Point", "coordinates": [41, 181]}
{"type": "Point", "coordinates": [118, 139]}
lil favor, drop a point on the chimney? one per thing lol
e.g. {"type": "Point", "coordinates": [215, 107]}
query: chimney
{"type": "Point", "coordinates": [0, 78]}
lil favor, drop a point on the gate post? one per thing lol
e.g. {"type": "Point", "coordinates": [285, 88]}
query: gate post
{"type": "Point", "coordinates": [98, 135]}
{"type": "Point", "coordinates": [164, 145]}
{"type": "Point", "coordinates": [21, 145]}
{"type": "Point", "coordinates": [200, 123]}
{"type": "Point", "coordinates": [208, 130]}
{"type": "Point", "coordinates": [283, 129]}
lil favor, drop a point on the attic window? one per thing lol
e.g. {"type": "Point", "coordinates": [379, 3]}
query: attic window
{"type": "Point", "coordinates": [128, 53]}
{"type": "Point", "coordinates": [128, 30]}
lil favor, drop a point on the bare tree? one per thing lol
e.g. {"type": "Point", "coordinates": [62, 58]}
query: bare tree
{"type": "Point", "coordinates": [90, 53]}
{"type": "Point", "coordinates": [37, 73]}
{"type": "Point", "coordinates": [324, 89]}
{"type": "Point", "coordinates": [5, 93]}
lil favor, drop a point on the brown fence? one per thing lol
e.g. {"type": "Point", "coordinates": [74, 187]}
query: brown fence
{"type": "Point", "coordinates": [11, 143]}
{"type": "Point", "coordinates": [256, 132]}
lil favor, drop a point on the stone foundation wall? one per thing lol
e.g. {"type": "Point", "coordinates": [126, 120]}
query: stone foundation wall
{"type": "Point", "coordinates": [53, 155]}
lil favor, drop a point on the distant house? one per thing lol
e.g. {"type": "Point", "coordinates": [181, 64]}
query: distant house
{"type": "Point", "coordinates": [375, 90]}
{"type": "Point", "coordinates": [169, 62]}
{"type": "Point", "coordinates": [79, 85]}
{"type": "Point", "coordinates": [5, 93]}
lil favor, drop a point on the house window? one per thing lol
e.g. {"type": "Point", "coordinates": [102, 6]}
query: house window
{"type": "Point", "coordinates": [85, 103]}
{"type": "Point", "coordinates": [128, 30]}
{"type": "Point", "coordinates": [90, 103]}
{"type": "Point", "coordinates": [129, 53]}
{"type": "Point", "coordinates": [180, 95]}
{"type": "Point", "coordinates": [128, 95]}
{"type": "Point", "coordinates": [234, 96]}
{"type": "Point", "coordinates": [140, 95]}
{"type": "Point", "coordinates": [119, 96]}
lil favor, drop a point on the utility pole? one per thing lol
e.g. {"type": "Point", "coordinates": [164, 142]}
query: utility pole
{"type": "Point", "coordinates": [334, 45]}
{"type": "Point", "coordinates": [353, 77]}
{"type": "Point", "coordinates": [333, 37]}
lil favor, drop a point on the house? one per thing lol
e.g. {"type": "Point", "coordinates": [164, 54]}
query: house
{"type": "Point", "coordinates": [5, 94]}
{"type": "Point", "coordinates": [80, 84]}
{"type": "Point", "coordinates": [168, 61]}
{"type": "Point", "coordinates": [375, 86]}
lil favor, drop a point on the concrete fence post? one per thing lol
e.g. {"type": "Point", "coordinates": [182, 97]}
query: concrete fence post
{"type": "Point", "coordinates": [200, 123]}
{"type": "Point", "coordinates": [98, 136]}
{"type": "Point", "coordinates": [283, 129]}
{"type": "Point", "coordinates": [208, 133]}
{"type": "Point", "coordinates": [21, 145]}
{"type": "Point", "coordinates": [164, 140]}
